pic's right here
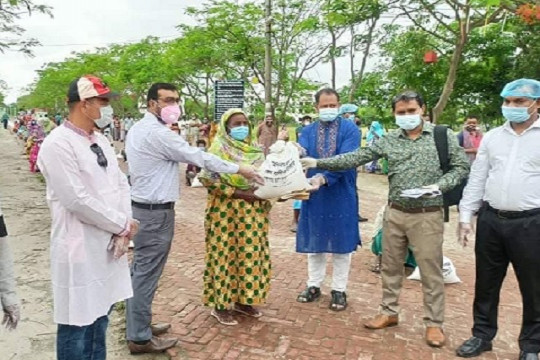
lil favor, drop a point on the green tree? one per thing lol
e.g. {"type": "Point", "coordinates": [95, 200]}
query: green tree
{"type": "Point", "coordinates": [12, 34]}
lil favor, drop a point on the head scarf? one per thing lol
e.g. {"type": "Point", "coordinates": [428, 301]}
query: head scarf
{"type": "Point", "coordinates": [375, 129]}
{"type": "Point", "coordinates": [239, 152]}
{"type": "Point", "coordinates": [348, 108]}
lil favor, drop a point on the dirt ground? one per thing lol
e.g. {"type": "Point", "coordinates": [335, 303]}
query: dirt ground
{"type": "Point", "coordinates": [288, 330]}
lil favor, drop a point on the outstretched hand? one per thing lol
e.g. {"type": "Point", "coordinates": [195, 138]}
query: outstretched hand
{"type": "Point", "coordinates": [249, 173]}
{"type": "Point", "coordinates": [308, 163]}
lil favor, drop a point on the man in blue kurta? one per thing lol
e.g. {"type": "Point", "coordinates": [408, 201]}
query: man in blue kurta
{"type": "Point", "coordinates": [329, 219]}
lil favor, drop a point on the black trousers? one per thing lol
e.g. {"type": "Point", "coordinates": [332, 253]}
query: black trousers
{"type": "Point", "coordinates": [499, 242]}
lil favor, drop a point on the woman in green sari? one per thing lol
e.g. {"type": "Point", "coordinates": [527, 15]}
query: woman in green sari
{"type": "Point", "coordinates": [237, 274]}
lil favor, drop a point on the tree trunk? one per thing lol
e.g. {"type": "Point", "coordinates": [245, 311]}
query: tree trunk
{"type": "Point", "coordinates": [333, 56]}
{"type": "Point", "coordinates": [452, 75]}
{"type": "Point", "coordinates": [360, 76]}
{"type": "Point", "coordinates": [352, 49]}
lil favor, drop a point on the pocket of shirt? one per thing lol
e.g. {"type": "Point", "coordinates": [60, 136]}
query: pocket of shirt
{"type": "Point", "coordinates": [531, 165]}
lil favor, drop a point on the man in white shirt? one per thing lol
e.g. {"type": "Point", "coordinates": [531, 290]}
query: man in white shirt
{"type": "Point", "coordinates": [89, 199]}
{"type": "Point", "coordinates": [504, 186]}
{"type": "Point", "coordinates": [154, 152]}
{"type": "Point", "coordinates": [128, 124]}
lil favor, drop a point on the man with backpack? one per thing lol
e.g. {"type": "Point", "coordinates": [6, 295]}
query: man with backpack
{"type": "Point", "coordinates": [427, 160]}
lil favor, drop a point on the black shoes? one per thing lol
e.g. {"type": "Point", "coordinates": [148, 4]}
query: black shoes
{"type": "Point", "coordinates": [473, 347]}
{"type": "Point", "coordinates": [528, 356]}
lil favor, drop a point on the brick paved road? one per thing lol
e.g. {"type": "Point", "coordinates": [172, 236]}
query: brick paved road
{"type": "Point", "coordinates": [290, 330]}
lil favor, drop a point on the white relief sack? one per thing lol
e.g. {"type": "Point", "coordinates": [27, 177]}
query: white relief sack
{"type": "Point", "coordinates": [282, 172]}
{"type": "Point", "coordinates": [448, 269]}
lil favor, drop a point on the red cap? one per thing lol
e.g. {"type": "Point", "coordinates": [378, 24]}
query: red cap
{"type": "Point", "coordinates": [88, 86]}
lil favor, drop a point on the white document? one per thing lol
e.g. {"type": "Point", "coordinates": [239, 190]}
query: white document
{"type": "Point", "coordinates": [419, 192]}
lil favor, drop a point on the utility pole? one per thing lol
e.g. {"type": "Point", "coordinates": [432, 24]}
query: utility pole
{"type": "Point", "coordinates": [268, 60]}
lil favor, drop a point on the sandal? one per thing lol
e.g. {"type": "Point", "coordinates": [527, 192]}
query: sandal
{"type": "Point", "coordinates": [224, 317]}
{"type": "Point", "coordinates": [247, 310]}
{"type": "Point", "coordinates": [339, 301]}
{"type": "Point", "coordinates": [310, 294]}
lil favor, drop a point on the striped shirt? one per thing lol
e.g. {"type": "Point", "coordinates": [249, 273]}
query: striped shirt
{"type": "Point", "coordinates": [154, 151]}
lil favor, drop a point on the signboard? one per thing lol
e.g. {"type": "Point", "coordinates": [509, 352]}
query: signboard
{"type": "Point", "coordinates": [227, 95]}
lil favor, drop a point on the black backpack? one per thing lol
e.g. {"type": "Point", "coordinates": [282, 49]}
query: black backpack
{"type": "Point", "coordinates": [453, 196]}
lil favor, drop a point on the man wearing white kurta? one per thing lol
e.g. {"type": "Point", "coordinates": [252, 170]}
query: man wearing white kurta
{"type": "Point", "coordinates": [89, 200]}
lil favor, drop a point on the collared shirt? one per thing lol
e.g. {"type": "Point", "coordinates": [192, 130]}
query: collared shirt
{"type": "Point", "coordinates": [88, 204]}
{"type": "Point", "coordinates": [90, 136]}
{"type": "Point", "coordinates": [154, 151]}
{"type": "Point", "coordinates": [506, 173]}
{"type": "Point", "coordinates": [411, 164]}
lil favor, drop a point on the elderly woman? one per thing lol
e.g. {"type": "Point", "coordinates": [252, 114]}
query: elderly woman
{"type": "Point", "coordinates": [237, 275]}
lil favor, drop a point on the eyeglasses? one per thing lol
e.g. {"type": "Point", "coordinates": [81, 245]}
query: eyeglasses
{"type": "Point", "coordinates": [101, 159]}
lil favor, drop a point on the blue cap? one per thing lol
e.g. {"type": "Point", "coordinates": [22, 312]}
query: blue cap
{"type": "Point", "coordinates": [348, 108]}
{"type": "Point", "coordinates": [522, 88]}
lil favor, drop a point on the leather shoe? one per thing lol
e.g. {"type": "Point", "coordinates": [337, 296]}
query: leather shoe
{"type": "Point", "coordinates": [528, 356]}
{"type": "Point", "coordinates": [473, 347]}
{"type": "Point", "coordinates": [382, 321]}
{"type": "Point", "coordinates": [155, 345]}
{"type": "Point", "coordinates": [435, 336]}
{"type": "Point", "coordinates": [160, 329]}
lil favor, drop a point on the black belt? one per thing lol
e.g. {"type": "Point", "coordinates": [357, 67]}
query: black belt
{"type": "Point", "coordinates": [512, 214]}
{"type": "Point", "coordinates": [165, 206]}
{"type": "Point", "coordinates": [414, 210]}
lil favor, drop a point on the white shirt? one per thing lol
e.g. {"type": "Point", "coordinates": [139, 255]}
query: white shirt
{"type": "Point", "coordinates": [128, 123]}
{"type": "Point", "coordinates": [506, 172]}
{"type": "Point", "coordinates": [154, 151]}
{"type": "Point", "coordinates": [88, 204]}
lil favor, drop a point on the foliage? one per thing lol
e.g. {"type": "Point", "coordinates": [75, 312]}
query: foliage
{"type": "Point", "coordinates": [11, 34]}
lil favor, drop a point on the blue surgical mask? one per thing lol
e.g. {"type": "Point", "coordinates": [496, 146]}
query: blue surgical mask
{"type": "Point", "coordinates": [516, 114]}
{"type": "Point", "coordinates": [240, 133]}
{"type": "Point", "coordinates": [408, 122]}
{"type": "Point", "coordinates": [328, 114]}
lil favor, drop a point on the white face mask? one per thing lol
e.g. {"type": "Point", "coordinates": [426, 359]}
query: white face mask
{"type": "Point", "coordinates": [408, 122]}
{"type": "Point", "coordinates": [328, 114]}
{"type": "Point", "coordinates": [106, 117]}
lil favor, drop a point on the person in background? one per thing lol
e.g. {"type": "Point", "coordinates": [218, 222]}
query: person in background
{"type": "Point", "coordinates": [504, 186]}
{"type": "Point", "coordinates": [88, 196]}
{"type": "Point", "coordinates": [8, 295]}
{"type": "Point", "coordinates": [237, 260]}
{"type": "Point", "coordinates": [193, 130]}
{"type": "Point", "coordinates": [470, 137]}
{"type": "Point", "coordinates": [204, 130]}
{"type": "Point", "coordinates": [329, 219]}
{"type": "Point", "coordinates": [5, 119]}
{"type": "Point", "coordinates": [58, 119]}
{"type": "Point", "coordinates": [348, 111]}
{"type": "Point", "coordinates": [414, 164]}
{"type": "Point", "coordinates": [375, 133]}
{"type": "Point", "coordinates": [117, 128]}
{"type": "Point", "coordinates": [128, 123]}
{"type": "Point", "coordinates": [304, 121]}
{"type": "Point", "coordinates": [154, 153]}
{"type": "Point", "coordinates": [193, 170]}
{"type": "Point", "coordinates": [267, 133]}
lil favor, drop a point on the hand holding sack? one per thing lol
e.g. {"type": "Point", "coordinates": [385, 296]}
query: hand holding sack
{"type": "Point", "coordinates": [282, 173]}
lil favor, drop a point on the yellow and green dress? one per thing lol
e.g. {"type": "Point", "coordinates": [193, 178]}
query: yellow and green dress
{"type": "Point", "coordinates": [238, 267]}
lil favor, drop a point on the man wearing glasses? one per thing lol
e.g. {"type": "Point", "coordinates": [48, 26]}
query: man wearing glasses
{"type": "Point", "coordinates": [154, 154]}
{"type": "Point", "coordinates": [90, 207]}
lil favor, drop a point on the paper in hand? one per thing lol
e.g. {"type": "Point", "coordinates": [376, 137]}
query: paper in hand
{"type": "Point", "coordinates": [419, 192]}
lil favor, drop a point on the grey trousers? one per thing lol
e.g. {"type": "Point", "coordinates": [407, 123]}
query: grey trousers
{"type": "Point", "coordinates": [152, 245]}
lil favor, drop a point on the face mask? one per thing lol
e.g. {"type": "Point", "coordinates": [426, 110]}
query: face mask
{"type": "Point", "coordinates": [170, 114]}
{"type": "Point", "coordinates": [516, 114]}
{"type": "Point", "coordinates": [106, 117]}
{"type": "Point", "coordinates": [240, 133]}
{"type": "Point", "coordinates": [408, 122]}
{"type": "Point", "coordinates": [351, 117]}
{"type": "Point", "coordinates": [306, 123]}
{"type": "Point", "coordinates": [203, 148]}
{"type": "Point", "coordinates": [328, 114]}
